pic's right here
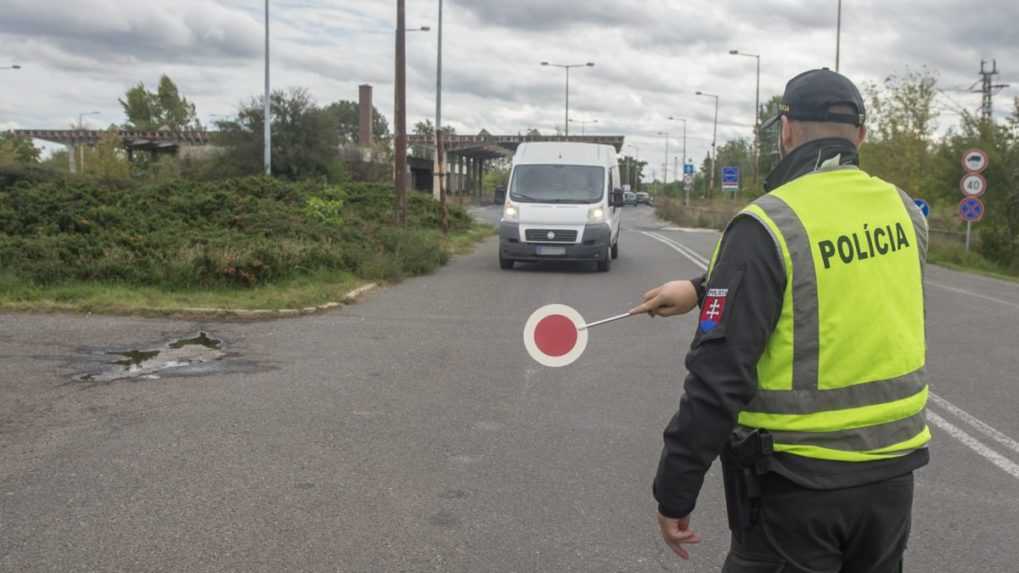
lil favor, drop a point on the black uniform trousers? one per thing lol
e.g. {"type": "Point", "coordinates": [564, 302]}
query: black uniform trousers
{"type": "Point", "coordinates": [854, 530]}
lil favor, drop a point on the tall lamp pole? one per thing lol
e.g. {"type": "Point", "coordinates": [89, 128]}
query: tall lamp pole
{"type": "Point", "coordinates": [665, 176]}
{"type": "Point", "coordinates": [583, 124]}
{"type": "Point", "coordinates": [267, 154]}
{"type": "Point", "coordinates": [757, 118]}
{"type": "Point", "coordinates": [714, 141]}
{"type": "Point", "coordinates": [14, 67]}
{"type": "Point", "coordinates": [440, 160]}
{"type": "Point", "coordinates": [838, 37]}
{"type": "Point", "coordinates": [686, 188]}
{"type": "Point", "coordinates": [567, 67]}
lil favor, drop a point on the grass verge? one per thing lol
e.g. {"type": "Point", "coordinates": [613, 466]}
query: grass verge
{"type": "Point", "coordinates": [106, 297]}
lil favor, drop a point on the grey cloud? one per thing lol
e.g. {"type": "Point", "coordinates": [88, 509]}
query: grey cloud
{"type": "Point", "coordinates": [109, 31]}
{"type": "Point", "coordinates": [546, 15]}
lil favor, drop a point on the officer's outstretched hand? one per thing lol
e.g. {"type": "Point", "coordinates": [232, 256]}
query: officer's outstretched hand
{"type": "Point", "coordinates": [670, 299]}
{"type": "Point", "coordinates": [677, 533]}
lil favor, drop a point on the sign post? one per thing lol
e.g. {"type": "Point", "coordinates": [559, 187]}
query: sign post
{"type": "Point", "coordinates": [730, 180]}
{"type": "Point", "coordinates": [973, 185]}
{"type": "Point", "coordinates": [687, 182]}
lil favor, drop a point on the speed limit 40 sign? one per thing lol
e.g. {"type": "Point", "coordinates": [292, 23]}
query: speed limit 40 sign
{"type": "Point", "coordinates": [973, 185]}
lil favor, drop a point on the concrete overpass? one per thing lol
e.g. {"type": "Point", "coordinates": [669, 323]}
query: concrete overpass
{"type": "Point", "coordinates": [467, 156]}
{"type": "Point", "coordinates": [163, 141]}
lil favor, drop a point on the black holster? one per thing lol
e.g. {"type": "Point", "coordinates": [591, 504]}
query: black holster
{"type": "Point", "coordinates": [744, 459]}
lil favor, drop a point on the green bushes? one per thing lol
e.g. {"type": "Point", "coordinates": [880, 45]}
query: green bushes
{"type": "Point", "coordinates": [183, 234]}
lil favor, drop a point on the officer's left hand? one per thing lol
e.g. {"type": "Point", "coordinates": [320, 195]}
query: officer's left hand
{"type": "Point", "coordinates": [677, 533]}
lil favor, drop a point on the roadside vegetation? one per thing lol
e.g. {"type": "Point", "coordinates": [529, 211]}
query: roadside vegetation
{"type": "Point", "coordinates": [163, 234]}
{"type": "Point", "coordinates": [906, 146]}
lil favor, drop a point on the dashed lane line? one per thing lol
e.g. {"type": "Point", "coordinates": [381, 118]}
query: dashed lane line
{"type": "Point", "coordinates": [973, 294]}
{"type": "Point", "coordinates": [974, 444]}
{"type": "Point", "coordinates": [689, 254]}
{"type": "Point", "coordinates": [976, 423]}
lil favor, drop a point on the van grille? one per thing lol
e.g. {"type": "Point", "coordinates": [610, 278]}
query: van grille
{"type": "Point", "coordinates": [557, 236]}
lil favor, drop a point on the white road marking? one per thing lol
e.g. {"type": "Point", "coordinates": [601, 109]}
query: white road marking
{"type": "Point", "coordinates": [974, 294]}
{"type": "Point", "coordinates": [688, 230]}
{"type": "Point", "coordinates": [976, 423]}
{"type": "Point", "coordinates": [692, 256]}
{"type": "Point", "coordinates": [974, 444]}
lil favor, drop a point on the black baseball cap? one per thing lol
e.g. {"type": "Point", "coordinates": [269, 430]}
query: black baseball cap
{"type": "Point", "coordinates": [811, 95]}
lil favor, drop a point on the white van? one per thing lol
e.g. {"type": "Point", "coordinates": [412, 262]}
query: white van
{"type": "Point", "coordinates": [563, 203]}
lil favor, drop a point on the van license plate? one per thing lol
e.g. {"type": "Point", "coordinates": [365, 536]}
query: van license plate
{"type": "Point", "coordinates": [551, 251]}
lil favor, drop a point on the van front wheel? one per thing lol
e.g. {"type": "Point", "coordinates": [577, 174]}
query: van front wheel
{"type": "Point", "coordinates": [615, 250]}
{"type": "Point", "coordinates": [605, 264]}
{"type": "Point", "coordinates": [505, 264]}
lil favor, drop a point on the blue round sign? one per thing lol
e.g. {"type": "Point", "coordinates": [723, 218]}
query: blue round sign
{"type": "Point", "coordinates": [926, 208]}
{"type": "Point", "coordinates": [971, 209]}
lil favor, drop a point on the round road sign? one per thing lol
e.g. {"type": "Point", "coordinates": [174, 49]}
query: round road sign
{"type": "Point", "coordinates": [923, 206]}
{"type": "Point", "coordinates": [971, 209]}
{"type": "Point", "coordinates": [973, 185]}
{"type": "Point", "coordinates": [552, 337]}
{"type": "Point", "coordinates": [975, 161]}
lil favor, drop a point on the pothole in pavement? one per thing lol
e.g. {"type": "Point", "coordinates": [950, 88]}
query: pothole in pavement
{"type": "Point", "coordinates": [179, 356]}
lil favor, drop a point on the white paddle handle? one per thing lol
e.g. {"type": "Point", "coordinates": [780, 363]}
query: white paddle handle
{"type": "Point", "coordinates": [606, 321]}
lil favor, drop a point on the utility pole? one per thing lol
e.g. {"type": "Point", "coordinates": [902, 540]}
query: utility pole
{"type": "Point", "coordinates": [268, 100]}
{"type": "Point", "coordinates": [987, 88]}
{"type": "Point", "coordinates": [440, 160]}
{"type": "Point", "coordinates": [838, 37]}
{"type": "Point", "coordinates": [400, 169]}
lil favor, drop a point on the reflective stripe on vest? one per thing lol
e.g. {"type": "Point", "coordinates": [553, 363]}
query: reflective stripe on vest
{"type": "Point", "coordinates": [842, 377]}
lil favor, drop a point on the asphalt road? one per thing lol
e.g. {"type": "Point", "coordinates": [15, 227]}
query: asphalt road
{"type": "Point", "coordinates": [411, 432]}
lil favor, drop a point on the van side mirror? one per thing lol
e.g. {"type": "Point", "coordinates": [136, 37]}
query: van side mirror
{"type": "Point", "coordinates": [617, 198]}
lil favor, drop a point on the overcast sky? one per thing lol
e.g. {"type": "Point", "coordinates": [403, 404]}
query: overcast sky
{"type": "Point", "coordinates": [651, 56]}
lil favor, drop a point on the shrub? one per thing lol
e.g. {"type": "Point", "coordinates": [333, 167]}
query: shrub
{"type": "Point", "coordinates": [235, 232]}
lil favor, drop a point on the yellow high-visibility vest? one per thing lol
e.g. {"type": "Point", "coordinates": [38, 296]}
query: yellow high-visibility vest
{"type": "Point", "coordinates": [843, 375]}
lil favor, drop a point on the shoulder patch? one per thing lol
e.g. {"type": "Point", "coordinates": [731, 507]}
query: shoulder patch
{"type": "Point", "coordinates": [713, 309]}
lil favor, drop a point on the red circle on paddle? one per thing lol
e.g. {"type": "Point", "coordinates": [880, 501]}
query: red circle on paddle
{"type": "Point", "coordinates": [555, 335]}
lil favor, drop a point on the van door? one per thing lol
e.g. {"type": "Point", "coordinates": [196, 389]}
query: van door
{"type": "Point", "coordinates": [615, 213]}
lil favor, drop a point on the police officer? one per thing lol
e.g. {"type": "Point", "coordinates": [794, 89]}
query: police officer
{"type": "Point", "coordinates": [806, 374]}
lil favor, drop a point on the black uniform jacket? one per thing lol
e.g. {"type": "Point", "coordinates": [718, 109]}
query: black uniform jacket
{"type": "Point", "coordinates": [741, 306]}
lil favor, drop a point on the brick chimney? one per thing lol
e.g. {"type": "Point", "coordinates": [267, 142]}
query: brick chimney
{"type": "Point", "coordinates": [367, 118]}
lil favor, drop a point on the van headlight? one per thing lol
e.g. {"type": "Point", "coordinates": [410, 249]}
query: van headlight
{"type": "Point", "coordinates": [510, 214]}
{"type": "Point", "coordinates": [596, 215]}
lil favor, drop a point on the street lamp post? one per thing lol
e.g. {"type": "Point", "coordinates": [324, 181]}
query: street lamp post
{"type": "Point", "coordinates": [686, 188]}
{"type": "Point", "coordinates": [81, 148]}
{"type": "Point", "coordinates": [838, 37]}
{"type": "Point", "coordinates": [665, 176]}
{"type": "Point", "coordinates": [714, 141]}
{"type": "Point", "coordinates": [583, 124]}
{"type": "Point", "coordinates": [757, 118]}
{"type": "Point", "coordinates": [440, 160]}
{"type": "Point", "coordinates": [267, 153]}
{"type": "Point", "coordinates": [566, 122]}
{"type": "Point", "coordinates": [636, 164]}
{"type": "Point", "coordinates": [13, 67]}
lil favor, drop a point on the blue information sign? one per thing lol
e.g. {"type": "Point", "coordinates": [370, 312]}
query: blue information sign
{"type": "Point", "coordinates": [730, 176]}
{"type": "Point", "coordinates": [971, 209]}
{"type": "Point", "coordinates": [688, 169]}
{"type": "Point", "coordinates": [924, 206]}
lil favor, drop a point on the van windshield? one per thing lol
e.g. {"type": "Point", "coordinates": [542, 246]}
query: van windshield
{"type": "Point", "coordinates": [558, 184]}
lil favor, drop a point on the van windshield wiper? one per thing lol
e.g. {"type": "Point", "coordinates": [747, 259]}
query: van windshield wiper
{"type": "Point", "coordinates": [522, 197]}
